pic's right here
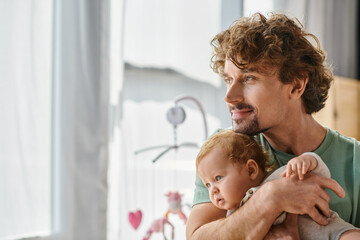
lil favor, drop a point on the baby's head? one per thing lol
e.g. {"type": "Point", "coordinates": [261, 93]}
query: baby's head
{"type": "Point", "coordinates": [228, 164]}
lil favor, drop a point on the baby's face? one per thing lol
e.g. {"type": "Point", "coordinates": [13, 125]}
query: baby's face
{"type": "Point", "coordinates": [227, 183]}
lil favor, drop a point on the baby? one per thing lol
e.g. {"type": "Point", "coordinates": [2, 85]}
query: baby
{"type": "Point", "coordinates": [233, 166]}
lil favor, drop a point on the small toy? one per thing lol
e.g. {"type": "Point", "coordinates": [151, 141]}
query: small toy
{"type": "Point", "coordinates": [174, 200]}
{"type": "Point", "coordinates": [135, 218]}
{"type": "Point", "coordinates": [158, 225]}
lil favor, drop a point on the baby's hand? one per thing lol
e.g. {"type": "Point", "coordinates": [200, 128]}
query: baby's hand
{"type": "Point", "coordinates": [300, 166]}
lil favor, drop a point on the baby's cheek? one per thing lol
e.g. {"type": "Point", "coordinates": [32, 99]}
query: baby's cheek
{"type": "Point", "coordinates": [211, 197]}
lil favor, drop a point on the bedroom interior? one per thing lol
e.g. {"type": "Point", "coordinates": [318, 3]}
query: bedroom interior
{"type": "Point", "coordinates": [87, 84]}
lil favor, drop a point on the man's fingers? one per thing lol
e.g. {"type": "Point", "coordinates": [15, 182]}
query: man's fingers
{"type": "Point", "coordinates": [332, 185]}
{"type": "Point", "coordinates": [291, 219]}
{"type": "Point", "coordinates": [325, 196]}
{"type": "Point", "coordinates": [323, 207]}
{"type": "Point", "coordinates": [317, 217]}
{"type": "Point", "coordinates": [323, 199]}
{"type": "Point", "coordinates": [307, 196]}
{"type": "Point", "coordinates": [321, 210]}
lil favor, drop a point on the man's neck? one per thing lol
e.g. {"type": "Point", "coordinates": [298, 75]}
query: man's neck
{"type": "Point", "coordinates": [306, 135]}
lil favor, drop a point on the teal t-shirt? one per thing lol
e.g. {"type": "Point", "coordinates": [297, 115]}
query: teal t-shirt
{"type": "Point", "coordinates": [342, 156]}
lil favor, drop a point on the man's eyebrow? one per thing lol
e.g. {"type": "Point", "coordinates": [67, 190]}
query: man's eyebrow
{"type": "Point", "coordinates": [245, 70]}
{"type": "Point", "coordinates": [251, 69]}
{"type": "Point", "coordinates": [224, 75]}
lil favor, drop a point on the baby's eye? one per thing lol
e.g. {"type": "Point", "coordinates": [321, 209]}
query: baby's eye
{"type": "Point", "coordinates": [218, 178]}
{"type": "Point", "coordinates": [208, 185]}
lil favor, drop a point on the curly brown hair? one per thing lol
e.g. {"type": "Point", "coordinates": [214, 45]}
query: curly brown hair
{"type": "Point", "coordinates": [276, 41]}
{"type": "Point", "coordinates": [237, 147]}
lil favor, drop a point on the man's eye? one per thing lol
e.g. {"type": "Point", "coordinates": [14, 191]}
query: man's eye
{"type": "Point", "coordinates": [248, 78]}
{"type": "Point", "coordinates": [208, 185]}
{"type": "Point", "coordinates": [228, 81]}
{"type": "Point", "coordinates": [218, 178]}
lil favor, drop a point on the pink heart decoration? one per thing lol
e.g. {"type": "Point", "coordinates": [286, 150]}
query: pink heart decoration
{"type": "Point", "coordinates": [135, 218]}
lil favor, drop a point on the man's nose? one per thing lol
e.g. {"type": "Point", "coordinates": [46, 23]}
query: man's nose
{"type": "Point", "coordinates": [234, 93]}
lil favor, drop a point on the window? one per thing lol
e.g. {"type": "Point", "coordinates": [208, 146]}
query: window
{"type": "Point", "coordinates": [25, 123]}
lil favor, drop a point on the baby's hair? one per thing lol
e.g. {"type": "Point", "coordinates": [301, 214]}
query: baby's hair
{"type": "Point", "coordinates": [237, 147]}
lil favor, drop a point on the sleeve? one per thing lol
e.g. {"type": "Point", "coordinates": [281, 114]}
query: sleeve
{"type": "Point", "coordinates": [321, 168]}
{"type": "Point", "coordinates": [355, 219]}
{"type": "Point", "coordinates": [201, 193]}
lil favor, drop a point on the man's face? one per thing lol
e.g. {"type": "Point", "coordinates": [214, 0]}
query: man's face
{"type": "Point", "coordinates": [256, 98]}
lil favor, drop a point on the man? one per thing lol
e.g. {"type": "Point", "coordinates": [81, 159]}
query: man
{"type": "Point", "coordinates": [275, 80]}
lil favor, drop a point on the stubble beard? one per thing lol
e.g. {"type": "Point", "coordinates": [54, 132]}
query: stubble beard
{"type": "Point", "coordinates": [249, 127]}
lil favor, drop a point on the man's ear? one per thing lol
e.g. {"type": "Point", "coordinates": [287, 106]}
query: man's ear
{"type": "Point", "coordinates": [253, 168]}
{"type": "Point", "coordinates": [299, 85]}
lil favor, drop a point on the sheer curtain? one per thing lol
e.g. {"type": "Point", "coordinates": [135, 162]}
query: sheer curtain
{"type": "Point", "coordinates": [25, 123]}
{"type": "Point", "coordinates": [81, 126]}
{"type": "Point", "coordinates": [57, 67]}
{"type": "Point", "coordinates": [172, 34]}
{"type": "Point", "coordinates": [167, 51]}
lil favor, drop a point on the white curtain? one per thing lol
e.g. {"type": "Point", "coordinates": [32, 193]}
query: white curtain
{"type": "Point", "coordinates": [172, 34]}
{"type": "Point", "coordinates": [61, 70]}
{"type": "Point", "coordinates": [116, 146]}
{"type": "Point", "coordinates": [167, 48]}
{"type": "Point", "coordinates": [144, 183]}
{"type": "Point", "coordinates": [81, 127]}
{"type": "Point", "coordinates": [25, 122]}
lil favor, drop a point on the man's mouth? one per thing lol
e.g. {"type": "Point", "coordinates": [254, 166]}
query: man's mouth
{"type": "Point", "coordinates": [241, 113]}
{"type": "Point", "coordinates": [241, 110]}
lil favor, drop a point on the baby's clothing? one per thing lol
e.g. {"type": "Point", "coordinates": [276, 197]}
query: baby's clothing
{"type": "Point", "coordinates": [308, 228]}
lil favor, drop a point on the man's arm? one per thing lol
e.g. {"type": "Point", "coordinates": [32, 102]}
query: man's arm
{"type": "Point", "coordinates": [214, 225]}
{"type": "Point", "coordinates": [201, 223]}
{"type": "Point", "coordinates": [254, 219]}
{"type": "Point", "coordinates": [251, 221]}
{"type": "Point", "coordinates": [287, 230]}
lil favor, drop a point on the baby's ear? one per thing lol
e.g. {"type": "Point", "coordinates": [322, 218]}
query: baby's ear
{"type": "Point", "coordinates": [253, 168]}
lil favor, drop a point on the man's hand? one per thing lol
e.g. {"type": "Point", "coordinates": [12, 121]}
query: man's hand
{"type": "Point", "coordinates": [304, 197]}
{"type": "Point", "coordinates": [288, 230]}
{"type": "Point", "coordinates": [254, 219]}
